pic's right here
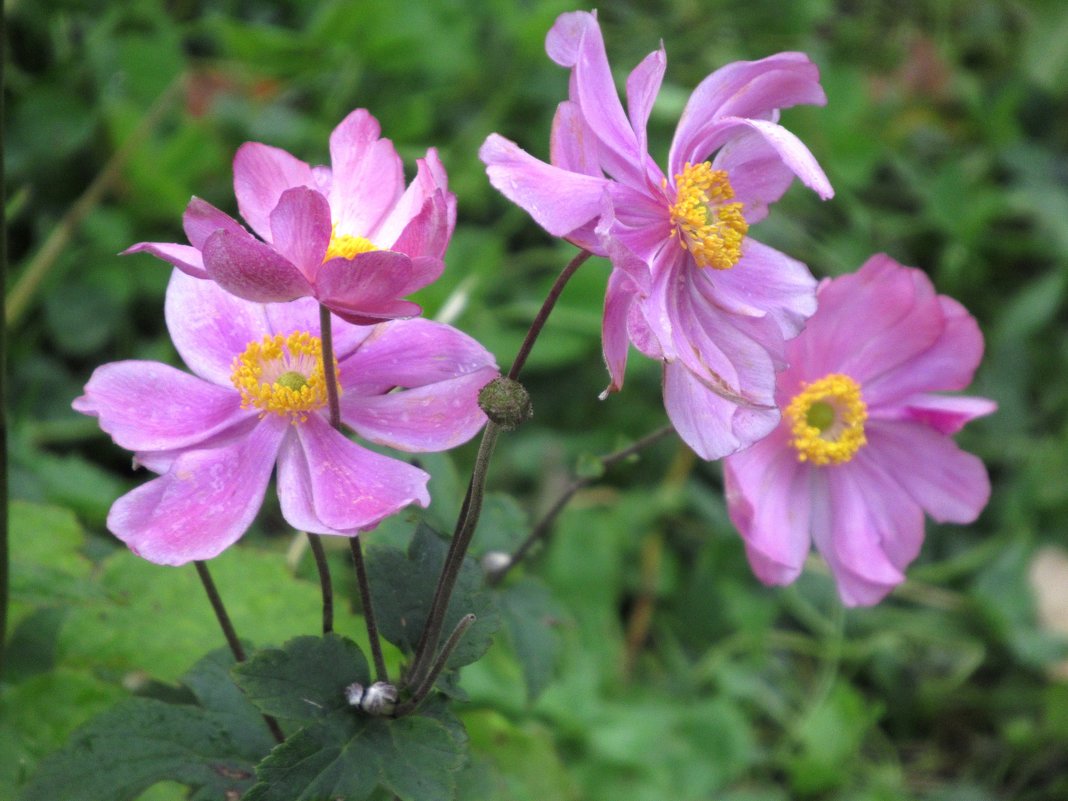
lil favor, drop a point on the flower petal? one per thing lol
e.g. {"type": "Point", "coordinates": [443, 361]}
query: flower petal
{"type": "Point", "coordinates": [946, 414]}
{"type": "Point", "coordinates": [261, 174]}
{"type": "Point", "coordinates": [430, 182]}
{"type": "Point", "coordinates": [427, 233]}
{"type": "Point", "coordinates": [757, 174]}
{"type": "Point", "coordinates": [300, 229]}
{"type": "Point", "coordinates": [618, 299]}
{"type": "Point", "coordinates": [330, 485]}
{"type": "Point", "coordinates": [185, 258]}
{"type": "Point", "coordinates": [365, 290]}
{"type": "Point", "coordinates": [250, 269]}
{"type": "Point", "coordinates": [303, 315]}
{"type": "Point", "coordinates": [147, 406]}
{"type": "Point", "coordinates": [643, 85]}
{"type": "Point", "coordinates": [201, 219]}
{"type": "Point", "coordinates": [204, 503]}
{"type": "Point", "coordinates": [368, 175]}
{"type": "Point", "coordinates": [210, 327]}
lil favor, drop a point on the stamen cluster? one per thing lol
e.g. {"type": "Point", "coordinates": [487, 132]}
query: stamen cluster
{"type": "Point", "coordinates": [347, 246]}
{"type": "Point", "coordinates": [827, 420]}
{"type": "Point", "coordinates": [282, 375]}
{"type": "Point", "coordinates": [710, 227]}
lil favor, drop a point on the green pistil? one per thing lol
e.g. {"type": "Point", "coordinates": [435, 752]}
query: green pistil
{"type": "Point", "coordinates": [820, 415]}
{"type": "Point", "coordinates": [292, 380]}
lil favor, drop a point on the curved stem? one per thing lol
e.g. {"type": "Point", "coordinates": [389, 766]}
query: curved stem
{"type": "Point", "coordinates": [544, 526]}
{"type": "Point", "coordinates": [427, 684]}
{"type": "Point", "coordinates": [366, 601]}
{"type": "Point", "coordinates": [325, 582]}
{"type": "Point", "coordinates": [231, 635]}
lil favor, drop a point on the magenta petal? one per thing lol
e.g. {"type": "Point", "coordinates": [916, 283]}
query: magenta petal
{"type": "Point", "coordinates": [643, 85]}
{"type": "Point", "coordinates": [768, 499]}
{"type": "Point", "coordinates": [301, 229]}
{"type": "Point", "coordinates": [210, 327]}
{"type": "Point", "coordinates": [558, 200]}
{"type": "Point", "coordinates": [614, 341]}
{"type": "Point", "coordinates": [899, 517]}
{"type": "Point", "coordinates": [343, 486]}
{"type": "Point", "coordinates": [572, 145]}
{"type": "Point", "coordinates": [430, 185]}
{"type": "Point", "coordinates": [261, 174]}
{"type": "Point", "coordinates": [365, 290]}
{"type": "Point", "coordinates": [951, 485]}
{"type": "Point", "coordinates": [185, 258]}
{"type": "Point", "coordinates": [946, 414]}
{"type": "Point", "coordinates": [794, 155]}
{"type": "Point", "coordinates": [433, 417]}
{"type": "Point", "coordinates": [147, 406]}
{"type": "Point", "coordinates": [427, 233]}
{"type": "Point", "coordinates": [252, 270]}
{"type": "Point", "coordinates": [204, 503]}
{"type": "Point", "coordinates": [710, 424]}
{"type": "Point", "coordinates": [201, 219]}
{"type": "Point", "coordinates": [756, 173]}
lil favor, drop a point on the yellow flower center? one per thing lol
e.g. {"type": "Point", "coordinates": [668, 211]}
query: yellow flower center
{"type": "Point", "coordinates": [283, 375]}
{"type": "Point", "coordinates": [709, 226]}
{"type": "Point", "coordinates": [346, 246]}
{"type": "Point", "coordinates": [827, 420]}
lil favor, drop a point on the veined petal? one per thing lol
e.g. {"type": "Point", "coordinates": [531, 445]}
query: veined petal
{"type": "Point", "coordinates": [209, 326]}
{"type": "Point", "coordinates": [148, 406]}
{"type": "Point", "coordinates": [368, 175]}
{"type": "Point", "coordinates": [558, 200]}
{"type": "Point", "coordinates": [261, 174]}
{"type": "Point", "coordinates": [185, 258]}
{"type": "Point", "coordinates": [252, 270]}
{"type": "Point", "coordinates": [300, 229]}
{"type": "Point", "coordinates": [330, 485]}
{"type": "Point", "coordinates": [899, 517]}
{"type": "Point", "coordinates": [432, 417]}
{"type": "Point", "coordinates": [204, 503]}
{"type": "Point", "coordinates": [572, 145]}
{"type": "Point", "coordinates": [201, 219]}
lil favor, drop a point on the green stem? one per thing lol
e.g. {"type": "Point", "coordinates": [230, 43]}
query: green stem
{"type": "Point", "coordinates": [427, 684]}
{"type": "Point", "coordinates": [381, 674]}
{"type": "Point", "coordinates": [315, 542]}
{"type": "Point", "coordinates": [5, 570]}
{"type": "Point", "coordinates": [326, 336]}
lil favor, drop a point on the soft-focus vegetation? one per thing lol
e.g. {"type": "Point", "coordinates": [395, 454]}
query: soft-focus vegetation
{"type": "Point", "coordinates": [670, 673]}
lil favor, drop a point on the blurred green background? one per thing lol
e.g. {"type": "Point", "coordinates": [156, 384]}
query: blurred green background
{"type": "Point", "coordinates": [673, 672]}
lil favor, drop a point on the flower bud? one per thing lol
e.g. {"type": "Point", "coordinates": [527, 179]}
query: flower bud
{"type": "Point", "coordinates": [506, 402]}
{"type": "Point", "coordinates": [379, 699]}
{"type": "Point", "coordinates": [354, 693]}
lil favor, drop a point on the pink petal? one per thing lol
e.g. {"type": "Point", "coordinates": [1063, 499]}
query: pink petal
{"type": "Point", "coordinates": [365, 290]}
{"type": "Point", "coordinates": [643, 85]}
{"type": "Point", "coordinates": [427, 233]}
{"type": "Point", "coordinates": [301, 228]}
{"type": "Point", "coordinates": [559, 201]}
{"type": "Point", "coordinates": [755, 171]}
{"type": "Point", "coordinates": [900, 517]}
{"type": "Point", "coordinates": [261, 174]}
{"type": "Point", "coordinates": [201, 219]}
{"type": "Point", "coordinates": [710, 424]}
{"type": "Point", "coordinates": [151, 406]}
{"type": "Point", "coordinates": [572, 145]}
{"type": "Point", "coordinates": [368, 176]}
{"type": "Point", "coordinates": [430, 182]}
{"type": "Point", "coordinates": [330, 485]}
{"type": "Point", "coordinates": [252, 270]}
{"type": "Point", "coordinates": [768, 500]}
{"type": "Point", "coordinates": [185, 258]}
{"type": "Point", "coordinates": [946, 414]}
{"type": "Point", "coordinates": [433, 417]}
{"type": "Point", "coordinates": [951, 485]}
{"type": "Point", "coordinates": [303, 315]}
{"type": "Point", "coordinates": [642, 224]}
{"type": "Point", "coordinates": [204, 503]}
{"type": "Point", "coordinates": [793, 153]}
{"type": "Point", "coordinates": [614, 341]}
{"type": "Point", "coordinates": [210, 327]}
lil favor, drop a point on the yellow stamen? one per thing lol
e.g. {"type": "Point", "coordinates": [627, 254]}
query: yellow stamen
{"type": "Point", "coordinates": [710, 227]}
{"type": "Point", "coordinates": [827, 420]}
{"type": "Point", "coordinates": [283, 375]}
{"type": "Point", "coordinates": [347, 246]}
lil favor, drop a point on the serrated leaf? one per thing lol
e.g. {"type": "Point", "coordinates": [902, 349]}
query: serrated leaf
{"type": "Point", "coordinates": [305, 678]}
{"type": "Point", "coordinates": [530, 617]}
{"type": "Point", "coordinates": [402, 586]}
{"type": "Point", "coordinates": [349, 755]}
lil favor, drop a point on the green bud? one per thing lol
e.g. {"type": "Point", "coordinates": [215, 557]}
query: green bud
{"type": "Point", "coordinates": [506, 402]}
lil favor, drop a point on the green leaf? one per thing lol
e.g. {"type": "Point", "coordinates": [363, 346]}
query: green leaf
{"type": "Point", "coordinates": [348, 755]}
{"type": "Point", "coordinates": [304, 679]}
{"type": "Point", "coordinates": [402, 587]}
{"type": "Point", "coordinates": [530, 616]}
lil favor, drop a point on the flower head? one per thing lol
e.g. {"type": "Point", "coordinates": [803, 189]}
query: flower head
{"type": "Point", "coordinates": [864, 447]}
{"type": "Point", "coordinates": [689, 287]}
{"type": "Point", "coordinates": [349, 235]}
{"type": "Point", "coordinates": [257, 399]}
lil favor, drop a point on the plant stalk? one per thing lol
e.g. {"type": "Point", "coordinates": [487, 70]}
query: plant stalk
{"type": "Point", "coordinates": [381, 674]}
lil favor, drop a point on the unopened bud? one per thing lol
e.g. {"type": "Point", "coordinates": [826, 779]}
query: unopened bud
{"type": "Point", "coordinates": [379, 699]}
{"type": "Point", "coordinates": [506, 402]}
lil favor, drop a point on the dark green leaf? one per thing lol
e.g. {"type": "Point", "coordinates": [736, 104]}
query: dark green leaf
{"type": "Point", "coordinates": [530, 617]}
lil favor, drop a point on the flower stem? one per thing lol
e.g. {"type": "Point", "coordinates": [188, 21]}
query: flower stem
{"type": "Point", "coordinates": [381, 674]}
{"type": "Point", "coordinates": [427, 683]}
{"type": "Point", "coordinates": [544, 526]}
{"type": "Point", "coordinates": [326, 336]}
{"type": "Point", "coordinates": [315, 542]}
{"type": "Point", "coordinates": [5, 569]}
{"type": "Point", "coordinates": [231, 635]}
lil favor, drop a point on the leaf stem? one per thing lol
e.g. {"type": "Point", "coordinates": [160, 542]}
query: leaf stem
{"type": "Point", "coordinates": [231, 635]}
{"type": "Point", "coordinates": [544, 526]}
{"type": "Point", "coordinates": [381, 674]}
{"type": "Point", "coordinates": [327, 585]}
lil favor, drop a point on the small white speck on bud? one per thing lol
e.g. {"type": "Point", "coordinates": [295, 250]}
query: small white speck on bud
{"type": "Point", "coordinates": [379, 699]}
{"type": "Point", "coordinates": [493, 562]}
{"type": "Point", "coordinates": [354, 693]}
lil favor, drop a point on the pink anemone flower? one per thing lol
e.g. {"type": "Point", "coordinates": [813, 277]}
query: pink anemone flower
{"type": "Point", "coordinates": [864, 447]}
{"type": "Point", "coordinates": [689, 287]}
{"type": "Point", "coordinates": [349, 235]}
{"type": "Point", "coordinates": [257, 398]}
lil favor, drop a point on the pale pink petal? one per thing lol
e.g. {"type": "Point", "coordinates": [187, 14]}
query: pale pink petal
{"type": "Point", "coordinates": [300, 229]}
{"type": "Point", "coordinates": [204, 503]}
{"type": "Point", "coordinates": [153, 406]}
{"type": "Point", "coordinates": [433, 417]}
{"type": "Point", "coordinates": [368, 175]}
{"type": "Point", "coordinates": [755, 171]}
{"type": "Point", "coordinates": [614, 341]}
{"type": "Point", "coordinates": [900, 517]}
{"type": "Point", "coordinates": [185, 258]}
{"type": "Point", "coordinates": [261, 174]}
{"type": "Point", "coordinates": [572, 145]}
{"type": "Point", "coordinates": [642, 224]}
{"type": "Point", "coordinates": [946, 414]}
{"type": "Point", "coordinates": [252, 270]}
{"type": "Point", "coordinates": [365, 290]}
{"type": "Point", "coordinates": [341, 485]}
{"type": "Point", "coordinates": [201, 219]}
{"type": "Point", "coordinates": [559, 201]}
{"type": "Point", "coordinates": [643, 85]}
{"type": "Point", "coordinates": [951, 485]}
{"type": "Point", "coordinates": [768, 500]}
{"type": "Point", "coordinates": [210, 327]}
{"type": "Point", "coordinates": [710, 424]}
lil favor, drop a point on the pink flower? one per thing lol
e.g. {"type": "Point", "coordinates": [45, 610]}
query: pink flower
{"type": "Point", "coordinates": [688, 286]}
{"type": "Point", "coordinates": [864, 447]}
{"type": "Point", "coordinates": [349, 235]}
{"type": "Point", "coordinates": [258, 398]}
